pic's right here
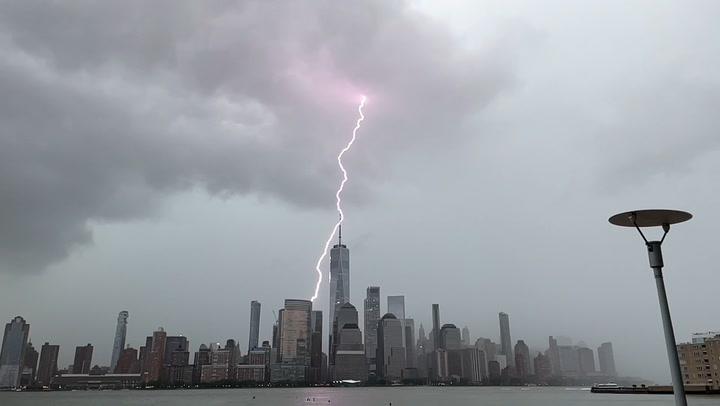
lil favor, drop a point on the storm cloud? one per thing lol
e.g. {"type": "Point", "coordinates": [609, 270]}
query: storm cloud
{"type": "Point", "coordinates": [107, 109]}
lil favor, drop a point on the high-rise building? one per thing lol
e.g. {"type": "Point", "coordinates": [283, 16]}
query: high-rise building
{"type": "Point", "coordinates": [372, 316]}
{"type": "Point", "coordinates": [543, 369]}
{"type": "Point", "coordinates": [12, 354]}
{"type": "Point", "coordinates": [178, 346]}
{"type": "Point", "coordinates": [391, 353]}
{"type": "Point", "coordinates": [202, 357]}
{"type": "Point", "coordinates": [83, 359]}
{"type": "Point", "coordinates": [409, 336]}
{"type": "Point", "coordinates": [396, 306]}
{"type": "Point", "coordinates": [128, 362]}
{"type": "Point", "coordinates": [346, 314]}
{"type": "Point", "coordinates": [350, 360]}
{"type": "Point", "coordinates": [522, 349]}
{"type": "Point", "coordinates": [48, 363]}
{"type": "Point", "coordinates": [339, 278]}
{"type": "Point", "coordinates": [505, 340]}
{"type": "Point", "coordinates": [254, 325]}
{"type": "Point", "coordinates": [473, 365]}
{"type": "Point", "coordinates": [554, 356]}
{"type": "Point", "coordinates": [607, 359]}
{"type": "Point", "coordinates": [316, 353]}
{"type": "Point", "coordinates": [154, 356]}
{"type": "Point", "coordinates": [450, 338]}
{"type": "Point", "coordinates": [587, 360]}
{"type": "Point", "coordinates": [436, 326]}
{"type": "Point", "coordinates": [295, 331]}
{"type": "Point", "coordinates": [30, 365]}
{"type": "Point", "coordinates": [569, 361]}
{"type": "Point", "coordinates": [119, 342]}
{"type": "Point", "coordinates": [466, 337]}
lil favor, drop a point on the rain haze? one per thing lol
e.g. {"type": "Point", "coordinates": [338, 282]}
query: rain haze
{"type": "Point", "coordinates": [176, 159]}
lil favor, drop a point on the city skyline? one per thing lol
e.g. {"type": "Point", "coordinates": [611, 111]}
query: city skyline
{"type": "Point", "coordinates": [153, 170]}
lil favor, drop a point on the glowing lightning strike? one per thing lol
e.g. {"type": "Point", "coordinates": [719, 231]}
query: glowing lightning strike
{"type": "Point", "coordinates": [337, 197]}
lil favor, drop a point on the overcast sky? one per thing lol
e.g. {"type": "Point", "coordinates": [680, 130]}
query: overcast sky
{"type": "Point", "coordinates": [176, 159]}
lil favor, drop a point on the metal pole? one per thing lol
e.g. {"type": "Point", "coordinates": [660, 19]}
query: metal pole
{"type": "Point", "coordinates": [656, 262]}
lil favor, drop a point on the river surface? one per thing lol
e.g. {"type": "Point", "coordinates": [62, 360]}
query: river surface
{"type": "Point", "coordinates": [397, 396]}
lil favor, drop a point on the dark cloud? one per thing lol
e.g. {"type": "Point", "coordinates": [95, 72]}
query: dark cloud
{"type": "Point", "coordinates": [108, 108]}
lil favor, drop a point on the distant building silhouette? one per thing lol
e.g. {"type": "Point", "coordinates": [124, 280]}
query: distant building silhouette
{"type": "Point", "coordinates": [554, 356]}
{"type": "Point", "coordinates": [527, 367]}
{"type": "Point", "coordinates": [587, 361]}
{"type": "Point", "coordinates": [48, 367]}
{"type": "Point", "coordinates": [450, 338]}
{"type": "Point", "coordinates": [607, 359]}
{"type": "Point", "coordinates": [119, 342]}
{"type": "Point", "coordinates": [505, 340]}
{"type": "Point", "coordinates": [254, 325]}
{"type": "Point", "coordinates": [83, 359]}
{"type": "Point", "coordinates": [155, 356]}
{"type": "Point", "coordinates": [29, 366]}
{"type": "Point", "coordinates": [466, 337]}
{"type": "Point", "coordinates": [128, 363]}
{"type": "Point", "coordinates": [316, 354]}
{"type": "Point", "coordinates": [12, 353]}
{"type": "Point", "coordinates": [543, 370]}
{"type": "Point", "coordinates": [372, 317]}
{"type": "Point", "coordinates": [436, 326]}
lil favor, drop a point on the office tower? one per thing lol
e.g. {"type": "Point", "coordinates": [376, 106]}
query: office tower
{"type": "Point", "coordinates": [494, 370]}
{"type": "Point", "coordinates": [339, 278]}
{"type": "Point", "coordinates": [12, 354]}
{"type": "Point", "coordinates": [466, 337]}
{"type": "Point", "coordinates": [543, 369]}
{"type": "Point", "coordinates": [202, 358]}
{"type": "Point", "coordinates": [450, 338]}
{"type": "Point", "coordinates": [438, 365]}
{"type": "Point", "coordinates": [295, 327]}
{"type": "Point", "coordinates": [554, 356]}
{"type": "Point", "coordinates": [421, 346]}
{"type": "Point", "coordinates": [488, 347]}
{"type": "Point", "coordinates": [350, 360]}
{"type": "Point", "coordinates": [174, 344]}
{"type": "Point", "coordinates": [48, 367]}
{"type": "Point", "coordinates": [30, 365]}
{"type": "Point", "coordinates": [410, 354]}
{"type": "Point", "coordinates": [254, 325]}
{"type": "Point", "coordinates": [346, 314]}
{"type": "Point", "coordinates": [83, 359]}
{"type": "Point", "coordinates": [587, 360]}
{"type": "Point", "coordinates": [473, 365]}
{"type": "Point", "coordinates": [154, 356]}
{"type": "Point", "coordinates": [522, 349]}
{"type": "Point", "coordinates": [436, 326]}
{"type": "Point", "coordinates": [316, 354]}
{"type": "Point", "coordinates": [396, 306]}
{"type": "Point", "coordinates": [569, 361]}
{"type": "Point", "coordinates": [607, 359]}
{"type": "Point", "coordinates": [390, 353]}
{"type": "Point", "coordinates": [120, 334]}
{"type": "Point", "coordinates": [372, 316]}
{"type": "Point", "coordinates": [128, 363]}
{"type": "Point", "coordinates": [505, 340]}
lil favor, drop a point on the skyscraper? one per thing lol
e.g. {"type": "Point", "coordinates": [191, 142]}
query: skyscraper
{"type": "Point", "coordinates": [30, 365]}
{"type": "Point", "coordinates": [120, 334]}
{"type": "Point", "coordinates": [390, 353]}
{"type": "Point", "coordinates": [346, 314]}
{"type": "Point", "coordinates": [554, 356]}
{"type": "Point", "coordinates": [12, 354]}
{"type": "Point", "coordinates": [48, 363]}
{"type": "Point", "coordinates": [339, 278]}
{"type": "Point", "coordinates": [450, 338]}
{"type": "Point", "coordinates": [175, 344]}
{"type": "Point", "coordinates": [154, 356]}
{"type": "Point", "coordinates": [295, 331]}
{"type": "Point", "coordinates": [436, 326]}
{"type": "Point", "coordinates": [522, 349]}
{"type": "Point", "coordinates": [587, 360]}
{"type": "Point", "coordinates": [372, 316]}
{"type": "Point", "coordinates": [505, 340]}
{"type": "Point", "coordinates": [466, 337]}
{"type": "Point", "coordinates": [350, 360]}
{"type": "Point", "coordinates": [607, 359]}
{"type": "Point", "coordinates": [316, 354]}
{"type": "Point", "coordinates": [254, 325]}
{"type": "Point", "coordinates": [396, 306]}
{"type": "Point", "coordinates": [83, 359]}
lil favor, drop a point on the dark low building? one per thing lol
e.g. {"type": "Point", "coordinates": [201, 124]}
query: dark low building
{"type": "Point", "coordinates": [87, 381]}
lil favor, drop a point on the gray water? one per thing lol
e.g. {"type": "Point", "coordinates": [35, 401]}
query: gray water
{"type": "Point", "coordinates": [398, 396]}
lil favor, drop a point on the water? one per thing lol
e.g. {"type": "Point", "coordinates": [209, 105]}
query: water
{"type": "Point", "coordinates": [398, 396]}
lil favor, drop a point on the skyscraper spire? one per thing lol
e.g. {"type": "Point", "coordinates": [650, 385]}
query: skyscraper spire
{"type": "Point", "coordinates": [340, 235]}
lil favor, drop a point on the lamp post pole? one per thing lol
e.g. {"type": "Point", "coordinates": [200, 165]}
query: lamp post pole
{"type": "Point", "coordinates": [654, 218]}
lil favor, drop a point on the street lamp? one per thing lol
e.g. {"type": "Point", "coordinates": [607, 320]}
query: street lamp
{"type": "Point", "coordinates": [660, 218]}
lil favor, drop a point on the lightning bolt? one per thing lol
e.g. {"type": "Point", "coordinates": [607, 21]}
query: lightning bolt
{"type": "Point", "coordinates": [338, 200]}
